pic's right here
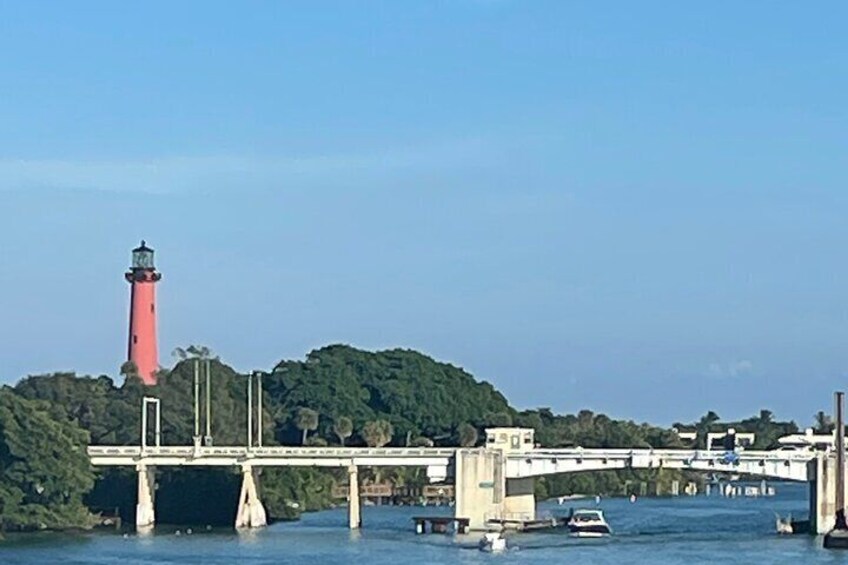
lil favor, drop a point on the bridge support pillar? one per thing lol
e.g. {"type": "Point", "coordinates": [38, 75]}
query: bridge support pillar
{"type": "Point", "coordinates": [251, 513]}
{"type": "Point", "coordinates": [354, 510]}
{"type": "Point", "coordinates": [822, 474]}
{"type": "Point", "coordinates": [479, 486]}
{"type": "Point", "coordinates": [145, 516]}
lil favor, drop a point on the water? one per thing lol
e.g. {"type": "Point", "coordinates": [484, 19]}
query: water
{"type": "Point", "coordinates": [657, 531]}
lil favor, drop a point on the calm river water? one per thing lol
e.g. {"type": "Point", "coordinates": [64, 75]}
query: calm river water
{"type": "Point", "coordinates": [656, 531]}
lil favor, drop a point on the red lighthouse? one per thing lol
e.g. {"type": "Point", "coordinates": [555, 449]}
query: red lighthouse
{"type": "Point", "coordinates": [142, 339]}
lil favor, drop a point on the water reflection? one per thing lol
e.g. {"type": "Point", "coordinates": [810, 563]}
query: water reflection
{"type": "Point", "coordinates": [248, 535]}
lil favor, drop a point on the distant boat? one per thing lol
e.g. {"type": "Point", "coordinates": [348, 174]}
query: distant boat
{"type": "Point", "coordinates": [563, 499]}
{"type": "Point", "coordinates": [493, 542]}
{"type": "Point", "coordinates": [588, 523]}
{"type": "Point", "coordinates": [784, 526]}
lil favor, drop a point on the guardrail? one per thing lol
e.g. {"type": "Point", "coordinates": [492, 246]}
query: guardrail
{"type": "Point", "coordinates": [316, 452]}
{"type": "Point", "coordinates": [677, 454]}
{"type": "Point", "coordinates": [234, 451]}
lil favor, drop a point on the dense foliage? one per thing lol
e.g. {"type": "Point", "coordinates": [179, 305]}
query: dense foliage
{"type": "Point", "coordinates": [415, 394]}
{"type": "Point", "coordinates": [44, 471]}
{"type": "Point", "coordinates": [338, 395]}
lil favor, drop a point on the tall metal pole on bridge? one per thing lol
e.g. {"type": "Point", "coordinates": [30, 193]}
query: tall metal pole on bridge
{"type": "Point", "coordinates": [840, 461]}
{"type": "Point", "coordinates": [197, 402]}
{"type": "Point", "coordinates": [837, 538]}
{"type": "Point", "coordinates": [208, 438]}
{"type": "Point", "coordinates": [250, 410]}
{"type": "Point", "coordinates": [259, 408]}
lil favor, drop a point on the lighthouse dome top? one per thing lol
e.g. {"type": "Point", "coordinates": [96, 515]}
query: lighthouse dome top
{"type": "Point", "coordinates": [142, 247]}
{"type": "Point", "coordinates": [142, 257]}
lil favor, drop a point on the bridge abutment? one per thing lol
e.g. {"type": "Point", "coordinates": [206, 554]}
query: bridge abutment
{"type": "Point", "coordinates": [145, 515]}
{"type": "Point", "coordinates": [354, 510]}
{"type": "Point", "coordinates": [478, 486]}
{"type": "Point", "coordinates": [484, 493]}
{"type": "Point", "coordinates": [822, 475]}
{"type": "Point", "coordinates": [250, 513]}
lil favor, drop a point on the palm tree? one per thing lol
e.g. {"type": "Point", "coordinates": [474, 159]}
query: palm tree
{"type": "Point", "coordinates": [306, 421]}
{"type": "Point", "coordinates": [129, 370]}
{"type": "Point", "coordinates": [824, 425]}
{"type": "Point", "coordinates": [467, 435]}
{"type": "Point", "coordinates": [708, 419]}
{"type": "Point", "coordinates": [377, 433]}
{"type": "Point", "coordinates": [193, 352]}
{"type": "Point", "coordinates": [343, 428]}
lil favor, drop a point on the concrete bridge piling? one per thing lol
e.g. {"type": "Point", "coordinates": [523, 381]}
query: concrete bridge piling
{"type": "Point", "coordinates": [354, 510]}
{"type": "Point", "coordinates": [251, 512]}
{"type": "Point", "coordinates": [823, 496]}
{"type": "Point", "coordinates": [145, 515]}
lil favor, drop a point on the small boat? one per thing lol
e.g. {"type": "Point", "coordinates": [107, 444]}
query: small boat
{"type": "Point", "coordinates": [493, 542]}
{"type": "Point", "coordinates": [784, 526]}
{"type": "Point", "coordinates": [588, 523]}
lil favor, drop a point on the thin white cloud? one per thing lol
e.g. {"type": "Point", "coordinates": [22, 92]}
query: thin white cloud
{"type": "Point", "coordinates": [176, 174]}
{"type": "Point", "coordinates": [730, 370]}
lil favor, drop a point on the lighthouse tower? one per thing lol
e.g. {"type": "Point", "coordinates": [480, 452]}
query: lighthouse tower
{"type": "Point", "coordinates": [143, 277]}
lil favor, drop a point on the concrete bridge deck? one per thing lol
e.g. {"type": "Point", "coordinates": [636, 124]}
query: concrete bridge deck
{"type": "Point", "coordinates": [270, 456]}
{"type": "Point", "coordinates": [496, 480]}
{"type": "Point", "coordinates": [787, 465]}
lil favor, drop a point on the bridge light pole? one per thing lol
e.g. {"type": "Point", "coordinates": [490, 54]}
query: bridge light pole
{"type": "Point", "coordinates": [258, 408]}
{"type": "Point", "coordinates": [198, 369]}
{"type": "Point", "coordinates": [196, 403]}
{"type": "Point", "coordinates": [208, 439]}
{"type": "Point", "coordinates": [250, 411]}
{"type": "Point", "coordinates": [259, 376]}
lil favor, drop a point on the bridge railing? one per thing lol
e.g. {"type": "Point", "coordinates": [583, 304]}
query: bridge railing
{"type": "Point", "coordinates": [277, 451]}
{"type": "Point", "coordinates": [676, 454]}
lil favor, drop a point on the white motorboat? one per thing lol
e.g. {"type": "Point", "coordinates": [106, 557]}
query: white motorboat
{"type": "Point", "coordinates": [588, 523]}
{"type": "Point", "coordinates": [784, 525]}
{"type": "Point", "coordinates": [493, 542]}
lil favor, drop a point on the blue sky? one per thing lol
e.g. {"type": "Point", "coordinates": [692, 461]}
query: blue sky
{"type": "Point", "coordinates": [637, 208]}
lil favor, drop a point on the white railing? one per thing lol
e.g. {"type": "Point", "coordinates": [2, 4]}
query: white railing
{"type": "Point", "coordinates": [259, 452]}
{"type": "Point", "coordinates": [675, 454]}
{"type": "Point", "coordinates": [344, 452]}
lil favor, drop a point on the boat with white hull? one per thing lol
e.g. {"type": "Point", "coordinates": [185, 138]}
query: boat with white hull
{"type": "Point", "coordinates": [588, 523]}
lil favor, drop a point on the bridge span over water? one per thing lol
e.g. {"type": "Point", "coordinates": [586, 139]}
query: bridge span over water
{"type": "Point", "coordinates": [495, 481]}
{"type": "Point", "coordinates": [785, 465]}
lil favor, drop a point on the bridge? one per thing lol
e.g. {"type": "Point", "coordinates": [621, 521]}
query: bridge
{"type": "Point", "coordinates": [435, 459]}
{"type": "Point", "coordinates": [493, 481]}
{"type": "Point", "coordinates": [784, 465]}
